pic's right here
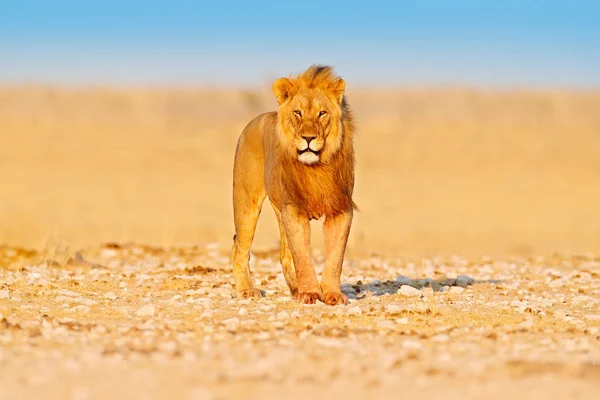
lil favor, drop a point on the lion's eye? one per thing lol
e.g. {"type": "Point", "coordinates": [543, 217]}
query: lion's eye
{"type": "Point", "coordinates": [298, 113]}
{"type": "Point", "coordinates": [321, 113]}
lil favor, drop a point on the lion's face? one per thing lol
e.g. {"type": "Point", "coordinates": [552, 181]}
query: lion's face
{"type": "Point", "coordinates": [310, 119]}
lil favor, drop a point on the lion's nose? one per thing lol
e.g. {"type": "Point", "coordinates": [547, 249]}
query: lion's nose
{"type": "Point", "coordinates": [308, 138]}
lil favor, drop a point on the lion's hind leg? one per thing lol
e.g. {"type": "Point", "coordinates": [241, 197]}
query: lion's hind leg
{"type": "Point", "coordinates": [246, 215]}
{"type": "Point", "coordinates": [248, 196]}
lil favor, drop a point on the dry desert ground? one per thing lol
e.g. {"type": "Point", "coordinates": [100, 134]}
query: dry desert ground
{"type": "Point", "coordinates": [472, 268]}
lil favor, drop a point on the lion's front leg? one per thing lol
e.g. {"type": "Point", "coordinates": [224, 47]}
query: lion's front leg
{"type": "Point", "coordinates": [297, 229]}
{"type": "Point", "coordinates": [337, 229]}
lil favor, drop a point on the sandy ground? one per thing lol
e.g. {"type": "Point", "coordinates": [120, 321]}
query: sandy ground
{"type": "Point", "coordinates": [129, 321]}
{"type": "Point", "coordinates": [471, 267]}
{"type": "Point", "coordinates": [440, 171]}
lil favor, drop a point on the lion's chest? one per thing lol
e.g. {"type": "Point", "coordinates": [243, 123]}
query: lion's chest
{"type": "Point", "coordinates": [316, 193]}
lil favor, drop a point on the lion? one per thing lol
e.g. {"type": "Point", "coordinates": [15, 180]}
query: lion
{"type": "Point", "coordinates": [302, 158]}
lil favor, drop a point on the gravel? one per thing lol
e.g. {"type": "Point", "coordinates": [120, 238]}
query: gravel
{"type": "Point", "coordinates": [156, 323]}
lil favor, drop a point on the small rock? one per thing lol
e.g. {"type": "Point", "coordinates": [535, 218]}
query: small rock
{"type": "Point", "coordinates": [283, 315]}
{"type": "Point", "coordinates": [457, 289]}
{"type": "Point", "coordinates": [354, 311]}
{"type": "Point", "coordinates": [557, 283]}
{"type": "Point", "coordinates": [146, 311]}
{"type": "Point", "coordinates": [4, 294]}
{"type": "Point", "coordinates": [527, 324]}
{"type": "Point", "coordinates": [441, 338]}
{"type": "Point", "coordinates": [385, 324]}
{"type": "Point", "coordinates": [393, 308]}
{"type": "Point", "coordinates": [402, 321]}
{"type": "Point", "coordinates": [231, 323]}
{"type": "Point", "coordinates": [403, 280]}
{"type": "Point", "coordinates": [409, 291]}
{"type": "Point", "coordinates": [560, 314]}
{"type": "Point", "coordinates": [69, 293]}
{"type": "Point", "coordinates": [464, 280]}
{"type": "Point", "coordinates": [110, 296]}
{"type": "Point", "coordinates": [444, 288]}
{"type": "Point", "coordinates": [243, 311]}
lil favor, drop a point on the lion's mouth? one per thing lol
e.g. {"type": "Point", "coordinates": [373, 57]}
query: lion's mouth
{"type": "Point", "coordinates": [308, 149]}
{"type": "Point", "coordinates": [309, 156]}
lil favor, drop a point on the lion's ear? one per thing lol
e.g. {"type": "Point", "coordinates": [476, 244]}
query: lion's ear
{"type": "Point", "coordinates": [282, 88]}
{"type": "Point", "coordinates": [337, 88]}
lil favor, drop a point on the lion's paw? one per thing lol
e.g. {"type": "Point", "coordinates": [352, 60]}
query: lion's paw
{"type": "Point", "coordinates": [249, 294]}
{"type": "Point", "coordinates": [308, 297]}
{"type": "Point", "coordinates": [335, 298]}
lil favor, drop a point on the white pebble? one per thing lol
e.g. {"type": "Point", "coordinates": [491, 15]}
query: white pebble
{"type": "Point", "coordinates": [457, 289]}
{"type": "Point", "coordinates": [110, 296]}
{"type": "Point", "coordinates": [393, 308]}
{"type": "Point", "coordinates": [69, 293]}
{"type": "Point", "coordinates": [231, 323]}
{"type": "Point", "coordinates": [283, 315]}
{"type": "Point", "coordinates": [385, 324]}
{"type": "Point", "coordinates": [146, 311]}
{"type": "Point", "coordinates": [243, 311]}
{"type": "Point", "coordinates": [354, 311]}
{"type": "Point", "coordinates": [4, 294]}
{"type": "Point", "coordinates": [409, 291]}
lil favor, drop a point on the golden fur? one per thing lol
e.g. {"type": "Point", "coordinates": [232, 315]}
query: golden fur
{"type": "Point", "coordinates": [302, 158]}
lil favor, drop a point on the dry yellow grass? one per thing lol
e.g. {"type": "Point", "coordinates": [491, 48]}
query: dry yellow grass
{"type": "Point", "coordinates": [440, 171]}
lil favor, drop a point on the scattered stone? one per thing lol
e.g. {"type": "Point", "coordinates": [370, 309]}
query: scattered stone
{"type": "Point", "coordinates": [146, 311]}
{"type": "Point", "coordinates": [560, 314]}
{"type": "Point", "coordinates": [385, 324]}
{"type": "Point", "coordinates": [393, 308]}
{"type": "Point", "coordinates": [354, 311]}
{"type": "Point", "coordinates": [403, 280]}
{"type": "Point", "coordinates": [110, 296]}
{"type": "Point", "coordinates": [283, 315]}
{"type": "Point", "coordinates": [409, 291]}
{"type": "Point", "coordinates": [231, 324]}
{"type": "Point", "coordinates": [464, 281]}
{"type": "Point", "coordinates": [191, 322]}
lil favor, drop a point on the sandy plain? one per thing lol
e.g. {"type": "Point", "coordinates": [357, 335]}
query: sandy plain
{"type": "Point", "coordinates": [471, 267]}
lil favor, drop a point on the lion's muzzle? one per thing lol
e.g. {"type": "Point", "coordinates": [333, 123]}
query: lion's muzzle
{"type": "Point", "coordinates": [309, 149]}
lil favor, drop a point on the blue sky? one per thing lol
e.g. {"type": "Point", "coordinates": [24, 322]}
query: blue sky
{"type": "Point", "coordinates": [496, 43]}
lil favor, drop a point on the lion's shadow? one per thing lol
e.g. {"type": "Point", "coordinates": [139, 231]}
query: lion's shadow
{"type": "Point", "coordinates": [379, 288]}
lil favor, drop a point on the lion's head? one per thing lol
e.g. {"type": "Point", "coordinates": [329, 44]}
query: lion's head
{"type": "Point", "coordinates": [311, 109]}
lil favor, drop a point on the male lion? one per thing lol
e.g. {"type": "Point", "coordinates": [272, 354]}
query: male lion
{"type": "Point", "coordinates": [302, 157]}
